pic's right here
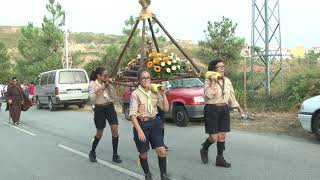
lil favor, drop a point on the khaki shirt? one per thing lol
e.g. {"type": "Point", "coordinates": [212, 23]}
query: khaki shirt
{"type": "Point", "coordinates": [139, 103]}
{"type": "Point", "coordinates": [108, 96]}
{"type": "Point", "coordinates": [213, 92]}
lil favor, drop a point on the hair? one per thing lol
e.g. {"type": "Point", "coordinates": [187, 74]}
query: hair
{"type": "Point", "coordinates": [140, 72]}
{"type": "Point", "coordinates": [94, 74]}
{"type": "Point", "coordinates": [13, 78]}
{"type": "Point", "coordinates": [32, 82]}
{"type": "Point", "coordinates": [212, 65]}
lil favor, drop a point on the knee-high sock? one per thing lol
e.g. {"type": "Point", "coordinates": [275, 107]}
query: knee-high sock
{"type": "Point", "coordinates": [207, 144]}
{"type": "Point", "coordinates": [144, 165]}
{"type": "Point", "coordinates": [115, 141]}
{"type": "Point", "coordinates": [220, 148]}
{"type": "Point", "coordinates": [95, 143]}
{"type": "Point", "coordinates": [162, 164]}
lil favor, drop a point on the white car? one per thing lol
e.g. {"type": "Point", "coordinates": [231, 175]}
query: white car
{"type": "Point", "coordinates": [309, 115]}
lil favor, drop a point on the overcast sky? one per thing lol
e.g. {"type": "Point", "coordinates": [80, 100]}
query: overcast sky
{"type": "Point", "coordinates": [184, 19]}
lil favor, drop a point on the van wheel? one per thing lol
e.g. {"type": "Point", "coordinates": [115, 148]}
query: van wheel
{"type": "Point", "coordinates": [50, 105]}
{"type": "Point", "coordinates": [81, 106]}
{"type": "Point", "coordinates": [316, 126]}
{"type": "Point", "coordinates": [180, 116]}
{"type": "Point", "coordinates": [38, 103]}
{"type": "Point", "coordinates": [126, 109]}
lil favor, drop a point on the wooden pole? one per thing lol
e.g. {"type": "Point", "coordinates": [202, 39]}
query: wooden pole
{"type": "Point", "coordinates": [153, 36]}
{"type": "Point", "coordinates": [176, 44]}
{"type": "Point", "coordinates": [142, 53]}
{"type": "Point", "coordinates": [115, 69]}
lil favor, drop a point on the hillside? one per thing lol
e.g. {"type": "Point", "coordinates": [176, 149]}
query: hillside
{"type": "Point", "coordinates": [90, 46]}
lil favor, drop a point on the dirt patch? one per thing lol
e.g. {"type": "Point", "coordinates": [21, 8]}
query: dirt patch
{"type": "Point", "coordinates": [273, 122]}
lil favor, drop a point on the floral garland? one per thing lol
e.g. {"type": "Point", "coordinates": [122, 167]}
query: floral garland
{"type": "Point", "coordinates": [164, 65]}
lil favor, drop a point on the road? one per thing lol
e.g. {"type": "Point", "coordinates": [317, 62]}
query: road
{"type": "Point", "coordinates": [54, 146]}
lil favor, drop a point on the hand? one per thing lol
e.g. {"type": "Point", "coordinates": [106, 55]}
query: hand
{"type": "Point", "coordinates": [142, 137]}
{"type": "Point", "coordinates": [22, 102]}
{"type": "Point", "coordinates": [10, 101]}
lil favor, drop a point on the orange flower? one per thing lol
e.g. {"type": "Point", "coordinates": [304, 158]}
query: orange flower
{"type": "Point", "coordinates": [152, 54]}
{"type": "Point", "coordinates": [159, 54]}
{"type": "Point", "coordinates": [155, 61]}
{"type": "Point", "coordinates": [157, 69]}
{"type": "Point", "coordinates": [149, 64]}
{"type": "Point", "coordinates": [165, 59]}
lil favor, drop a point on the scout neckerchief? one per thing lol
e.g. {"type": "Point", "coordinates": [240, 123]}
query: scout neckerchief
{"type": "Point", "coordinates": [148, 94]}
{"type": "Point", "coordinates": [105, 93]}
{"type": "Point", "coordinates": [222, 87]}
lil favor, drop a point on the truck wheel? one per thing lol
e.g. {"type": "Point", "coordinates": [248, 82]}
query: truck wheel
{"type": "Point", "coordinates": [126, 108]}
{"type": "Point", "coordinates": [39, 106]}
{"type": "Point", "coordinates": [180, 116]}
{"type": "Point", "coordinates": [50, 105]}
{"type": "Point", "coordinates": [316, 126]}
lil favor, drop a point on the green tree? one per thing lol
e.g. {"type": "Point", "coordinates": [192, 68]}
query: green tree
{"type": "Point", "coordinates": [221, 42]}
{"type": "Point", "coordinates": [41, 47]}
{"type": "Point", "coordinates": [312, 57]}
{"type": "Point", "coordinates": [5, 65]}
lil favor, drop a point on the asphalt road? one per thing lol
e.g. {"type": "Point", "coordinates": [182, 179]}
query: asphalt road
{"type": "Point", "coordinates": [54, 145]}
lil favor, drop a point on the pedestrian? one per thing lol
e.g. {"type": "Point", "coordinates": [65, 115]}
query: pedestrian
{"type": "Point", "coordinates": [147, 125]}
{"type": "Point", "coordinates": [161, 115]}
{"type": "Point", "coordinates": [102, 96]}
{"type": "Point", "coordinates": [31, 91]}
{"type": "Point", "coordinates": [219, 95]}
{"type": "Point", "coordinates": [15, 100]}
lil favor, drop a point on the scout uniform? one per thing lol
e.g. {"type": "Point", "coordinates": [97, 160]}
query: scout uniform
{"type": "Point", "coordinates": [144, 106]}
{"type": "Point", "coordinates": [103, 105]}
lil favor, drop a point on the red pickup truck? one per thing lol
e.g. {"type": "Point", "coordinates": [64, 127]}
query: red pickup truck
{"type": "Point", "coordinates": [185, 96]}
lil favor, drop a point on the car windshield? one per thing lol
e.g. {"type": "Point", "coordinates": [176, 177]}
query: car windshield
{"type": "Point", "coordinates": [185, 83]}
{"type": "Point", "coordinates": [71, 77]}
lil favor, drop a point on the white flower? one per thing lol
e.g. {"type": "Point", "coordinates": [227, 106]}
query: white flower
{"type": "Point", "coordinates": [169, 63]}
{"type": "Point", "coordinates": [174, 61]}
{"type": "Point", "coordinates": [165, 51]}
{"type": "Point", "coordinates": [168, 70]}
{"type": "Point", "coordinates": [162, 63]}
{"type": "Point", "coordinates": [170, 57]}
{"type": "Point", "coordinates": [174, 68]}
{"type": "Point", "coordinates": [178, 66]}
{"type": "Point", "coordinates": [178, 59]}
{"type": "Point", "coordinates": [138, 56]}
{"type": "Point", "coordinates": [172, 54]}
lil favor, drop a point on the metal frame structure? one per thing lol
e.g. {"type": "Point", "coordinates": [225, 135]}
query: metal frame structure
{"type": "Point", "coordinates": [265, 33]}
{"type": "Point", "coordinates": [147, 16]}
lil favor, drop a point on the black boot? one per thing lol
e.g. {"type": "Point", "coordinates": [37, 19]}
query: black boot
{"type": "Point", "coordinates": [148, 176]}
{"type": "Point", "coordinates": [116, 158]}
{"type": "Point", "coordinates": [204, 151]}
{"type": "Point", "coordinates": [220, 161]}
{"type": "Point", "coordinates": [165, 177]}
{"type": "Point", "coordinates": [92, 156]}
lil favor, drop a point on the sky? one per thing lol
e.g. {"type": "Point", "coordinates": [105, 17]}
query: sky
{"type": "Point", "coordinates": [184, 19]}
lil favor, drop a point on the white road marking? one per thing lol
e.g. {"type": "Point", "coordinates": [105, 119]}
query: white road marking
{"type": "Point", "coordinates": [16, 127]}
{"type": "Point", "coordinates": [112, 166]}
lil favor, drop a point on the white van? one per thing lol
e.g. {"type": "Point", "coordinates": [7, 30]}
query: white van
{"type": "Point", "coordinates": [61, 88]}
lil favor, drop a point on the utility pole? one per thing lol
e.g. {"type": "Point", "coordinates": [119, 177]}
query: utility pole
{"type": "Point", "coordinates": [264, 33]}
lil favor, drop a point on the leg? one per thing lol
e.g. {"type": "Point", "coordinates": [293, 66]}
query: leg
{"type": "Point", "coordinates": [115, 142]}
{"type": "Point", "coordinates": [162, 160]}
{"type": "Point", "coordinates": [220, 161]}
{"type": "Point", "coordinates": [205, 147]}
{"type": "Point", "coordinates": [95, 142]}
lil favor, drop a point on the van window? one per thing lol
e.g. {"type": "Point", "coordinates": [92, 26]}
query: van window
{"type": "Point", "coordinates": [71, 77]}
{"type": "Point", "coordinates": [51, 78]}
{"type": "Point", "coordinates": [43, 80]}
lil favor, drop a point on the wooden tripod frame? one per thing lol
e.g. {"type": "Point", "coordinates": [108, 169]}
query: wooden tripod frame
{"type": "Point", "coordinates": [146, 15]}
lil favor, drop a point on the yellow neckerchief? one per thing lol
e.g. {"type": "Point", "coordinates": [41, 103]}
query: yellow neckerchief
{"type": "Point", "coordinates": [105, 93]}
{"type": "Point", "coordinates": [149, 97]}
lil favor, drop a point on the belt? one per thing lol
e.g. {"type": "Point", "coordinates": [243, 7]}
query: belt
{"type": "Point", "coordinates": [219, 104]}
{"type": "Point", "coordinates": [146, 118]}
{"type": "Point", "coordinates": [104, 104]}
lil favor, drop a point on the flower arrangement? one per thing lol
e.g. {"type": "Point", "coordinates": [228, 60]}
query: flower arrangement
{"type": "Point", "coordinates": [164, 65]}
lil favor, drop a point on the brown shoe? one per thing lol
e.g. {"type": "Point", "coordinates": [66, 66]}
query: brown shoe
{"type": "Point", "coordinates": [221, 162]}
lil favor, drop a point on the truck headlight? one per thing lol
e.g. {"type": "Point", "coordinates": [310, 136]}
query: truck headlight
{"type": "Point", "coordinates": [198, 99]}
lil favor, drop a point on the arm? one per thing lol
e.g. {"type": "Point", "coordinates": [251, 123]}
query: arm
{"type": "Point", "coordinates": [94, 92]}
{"type": "Point", "coordinates": [112, 92]}
{"type": "Point", "coordinates": [210, 88]}
{"type": "Point", "coordinates": [133, 116]}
